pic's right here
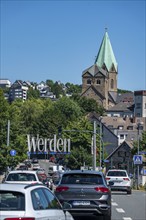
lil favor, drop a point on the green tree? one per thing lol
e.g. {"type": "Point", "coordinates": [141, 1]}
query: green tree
{"type": "Point", "coordinates": [73, 89]}
{"type": "Point", "coordinates": [33, 93]}
{"type": "Point", "coordinates": [57, 90]}
{"type": "Point", "coordinates": [142, 144]}
{"type": "Point", "coordinates": [89, 105]}
{"type": "Point", "coordinates": [80, 132]}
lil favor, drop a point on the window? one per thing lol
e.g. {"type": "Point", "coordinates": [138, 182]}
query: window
{"type": "Point", "coordinates": [82, 179]}
{"type": "Point", "coordinates": [121, 136]}
{"type": "Point", "coordinates": [130, 128]}
{"type": "Point", "coordinates": [138, 105]}
{"type": "Point", "coordinates": [112, 83]}
{"type": "Point", "coordinates": [43, 199]}
{"type": "Point", "coordinates": [12, 201]}
{"type": "Point", "coordinates": [88, 81]}
{"type": "Point", "coordinates": [98, 82]}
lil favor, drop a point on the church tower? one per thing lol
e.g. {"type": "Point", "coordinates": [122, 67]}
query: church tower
{"type": "Point", "coordinates": [100, 80]}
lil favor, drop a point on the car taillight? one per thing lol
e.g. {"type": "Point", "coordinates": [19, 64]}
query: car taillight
{"type": "Point", "coordinates": [126, 179]}
{"type": "Point", "coordinates": [19, 218]}
{"type": "Point", "coordinates": [102, 189]}
{"type": "Point", "coordinates": [107, 178]}
{"type": "Point", "coordinates": [61, 188]}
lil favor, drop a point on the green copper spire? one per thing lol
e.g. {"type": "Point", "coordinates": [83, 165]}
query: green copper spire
{"type": "Point", "coordinates": [105, 54]}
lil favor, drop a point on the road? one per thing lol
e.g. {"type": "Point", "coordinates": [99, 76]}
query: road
{"type": "Point", "coordinates": [126, 207]}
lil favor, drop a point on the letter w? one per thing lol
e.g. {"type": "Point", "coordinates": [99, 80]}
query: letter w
{"type": "Point", "coordinates": [31, 143]}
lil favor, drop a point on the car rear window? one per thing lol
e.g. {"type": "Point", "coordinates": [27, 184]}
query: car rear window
{"type": "Point", "coordinates": [116, 173]}
{"type": "Point", "coordinates": [12, 201]}
{"type": "Point", "coordinates": [81, 179]}
{"type": "Point", "coordinates": [21, 177]}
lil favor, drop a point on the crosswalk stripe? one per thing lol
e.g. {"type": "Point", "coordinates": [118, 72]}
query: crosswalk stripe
{"type": "Point", "coordinates": [120, 210]}
{"type": "Point", "coordinates": [114, 204]}
{"type": "Point", "coordinates": [127, 218]}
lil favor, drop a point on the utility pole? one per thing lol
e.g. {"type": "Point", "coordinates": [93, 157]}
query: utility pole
{"type": "Point", "coordinates": [8, 134]}
{"type": "Point", "coordinates": [94, 146]}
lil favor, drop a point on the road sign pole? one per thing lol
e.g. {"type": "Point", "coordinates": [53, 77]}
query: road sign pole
{"type": "Point", "coordinates": [138, 154]}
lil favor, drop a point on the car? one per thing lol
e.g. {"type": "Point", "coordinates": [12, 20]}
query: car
{"type": "Point", "coordinates": [118, 180]}
{"type": "Point", "coordinates": [87, 193]}
{"type": "Point", "coordinates": [30, 202]}
{"type": "Point", "coordinates": [36, 166]}
{"type": "Point", "coordinates": [22, 176]}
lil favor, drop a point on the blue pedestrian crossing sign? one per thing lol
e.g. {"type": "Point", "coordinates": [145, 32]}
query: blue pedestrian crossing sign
{"type": "Point", "coordinates": [137, 159]}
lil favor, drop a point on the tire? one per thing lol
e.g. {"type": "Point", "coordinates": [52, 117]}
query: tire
{"type": "Point", "coordinates": [129, 192]}
{"type": "Point", "coordinates": [106, 217]}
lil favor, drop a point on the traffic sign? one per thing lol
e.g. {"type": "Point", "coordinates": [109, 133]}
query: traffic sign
{"type": "Point", "coordinates": [137, 159]}
{"type": "Point", "coordinates": [12, 152]}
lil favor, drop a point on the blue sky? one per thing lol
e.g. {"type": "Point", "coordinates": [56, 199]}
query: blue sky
{"type": "Point", "coordinates": [58, 40]}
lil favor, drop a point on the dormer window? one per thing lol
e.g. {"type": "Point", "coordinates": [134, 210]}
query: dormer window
{"type": "Point", "coordinates": [89, 81]}
{"type": "Point", "coordinates": [98, 82]}
{"type": "Point", "coordinates": [120, 127]}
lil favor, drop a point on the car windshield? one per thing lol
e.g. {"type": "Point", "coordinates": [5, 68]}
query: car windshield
{"type": "Point", "coordinates": [12, 201]}
{"type": "Point", "coordinates": [81, 179]}
{"type": "Point", "coordinates": [116, 173]}
{"type": "Point", "coordinates": [21, 177]}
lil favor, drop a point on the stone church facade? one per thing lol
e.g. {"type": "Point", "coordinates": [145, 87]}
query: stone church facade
{"type": "Point", "coordinates": [100, 80]}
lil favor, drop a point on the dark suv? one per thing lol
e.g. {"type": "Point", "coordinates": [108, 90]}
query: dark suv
{"type": "Point", "coordinates": [87, 193]}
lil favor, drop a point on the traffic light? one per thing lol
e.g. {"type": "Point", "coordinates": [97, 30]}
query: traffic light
{"type": "Point", "coordinates": [102, 163]}
{"type": "Point", "coordinates": [59, 131]}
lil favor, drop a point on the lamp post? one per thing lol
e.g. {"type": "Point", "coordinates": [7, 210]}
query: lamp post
{"type": "Point", "coordinates": [94, 146]}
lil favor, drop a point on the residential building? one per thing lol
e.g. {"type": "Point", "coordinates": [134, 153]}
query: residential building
{"type": "Point", "coordinates": [140, 103]}
{"type": "Point", "coordinates": [5, 83]}
{"type": "Point", "coordinates": [18, 90]}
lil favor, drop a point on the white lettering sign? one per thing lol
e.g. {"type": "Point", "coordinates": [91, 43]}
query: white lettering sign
{"type": "Point", "coordinates": [48, 145]}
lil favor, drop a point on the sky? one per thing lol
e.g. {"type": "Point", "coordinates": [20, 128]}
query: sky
{"type": "Point", "coordinates": [58, 40]}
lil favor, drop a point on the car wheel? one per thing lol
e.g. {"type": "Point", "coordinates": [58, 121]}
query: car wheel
{"type": "Point", "coordinates": [129, 192]}
{"type": "Point", "coordinates": [106, 217]}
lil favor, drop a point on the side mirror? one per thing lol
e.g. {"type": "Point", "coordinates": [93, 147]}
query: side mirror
{"type": "Point", "coordinates": [66, 206]}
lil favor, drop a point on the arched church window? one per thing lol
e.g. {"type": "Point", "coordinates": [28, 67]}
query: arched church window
{"type": "Point", "coordinates": [112, 83]}
{"type": "Point", "coordinates": [88, 81]}
{"type": "Point", "coordinates": [98, 82]}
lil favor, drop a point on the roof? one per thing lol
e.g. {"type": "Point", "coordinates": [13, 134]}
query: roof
{"type": "Point", "coordinates": [123, 143]}
{"type": "Point", "coordinates": [18, 186]}
{"type": "Point", "coordinates": [125, 97]}
{"type": "Point", "coordinates": [23, 171]}
{"type": "Point", "coordinates": [94, 69]}
{"type": "Point", "coordinates": [121, 107]}
{"type": "Point", "coordinates": [106, 55]}
{"type": "Point", "coordinates": [82, 171]}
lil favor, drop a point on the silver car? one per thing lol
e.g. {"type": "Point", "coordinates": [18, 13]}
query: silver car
{"type": "Point", "coordinates": [118, 180]}
{"type": "Point", "coordinates": [30, 202]}
{"type": "Point", "coordinates": [87, 193]}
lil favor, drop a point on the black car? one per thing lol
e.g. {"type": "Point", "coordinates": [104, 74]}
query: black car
{"type": "Point", "coordinates": [87, 193]}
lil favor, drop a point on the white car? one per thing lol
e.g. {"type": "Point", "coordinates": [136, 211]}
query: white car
{"type": "Point", "coordinates": [30, 202]}
{"type": "Point", "coordinates": [118, 180]}
{"type": "Point", "coordinates": [22, 176]}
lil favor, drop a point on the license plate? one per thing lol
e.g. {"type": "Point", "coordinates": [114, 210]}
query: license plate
{"type": "Point", "coordinates": [83, 203]}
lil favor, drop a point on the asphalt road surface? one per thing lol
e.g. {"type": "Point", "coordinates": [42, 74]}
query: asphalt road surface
{"type": "Point", "coordinates": [126, 207]}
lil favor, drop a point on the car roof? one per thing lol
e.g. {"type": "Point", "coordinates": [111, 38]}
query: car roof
{"type": "Point", "coordinates": [116, 170]}
{"type": "Point", "coordinates": [22, 171]}
{"type": "Point", "coordinates": [82, 171]}
{"type": "Point", "coordinates": [18, 187]}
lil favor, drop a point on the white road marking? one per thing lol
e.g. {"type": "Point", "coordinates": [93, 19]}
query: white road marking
{"type": "Point", "coordinates": [120, 210]}
{"type": "Point", "coordinates": [127, 218]}
{"type": "Point", "coordinates": [114, 204]}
